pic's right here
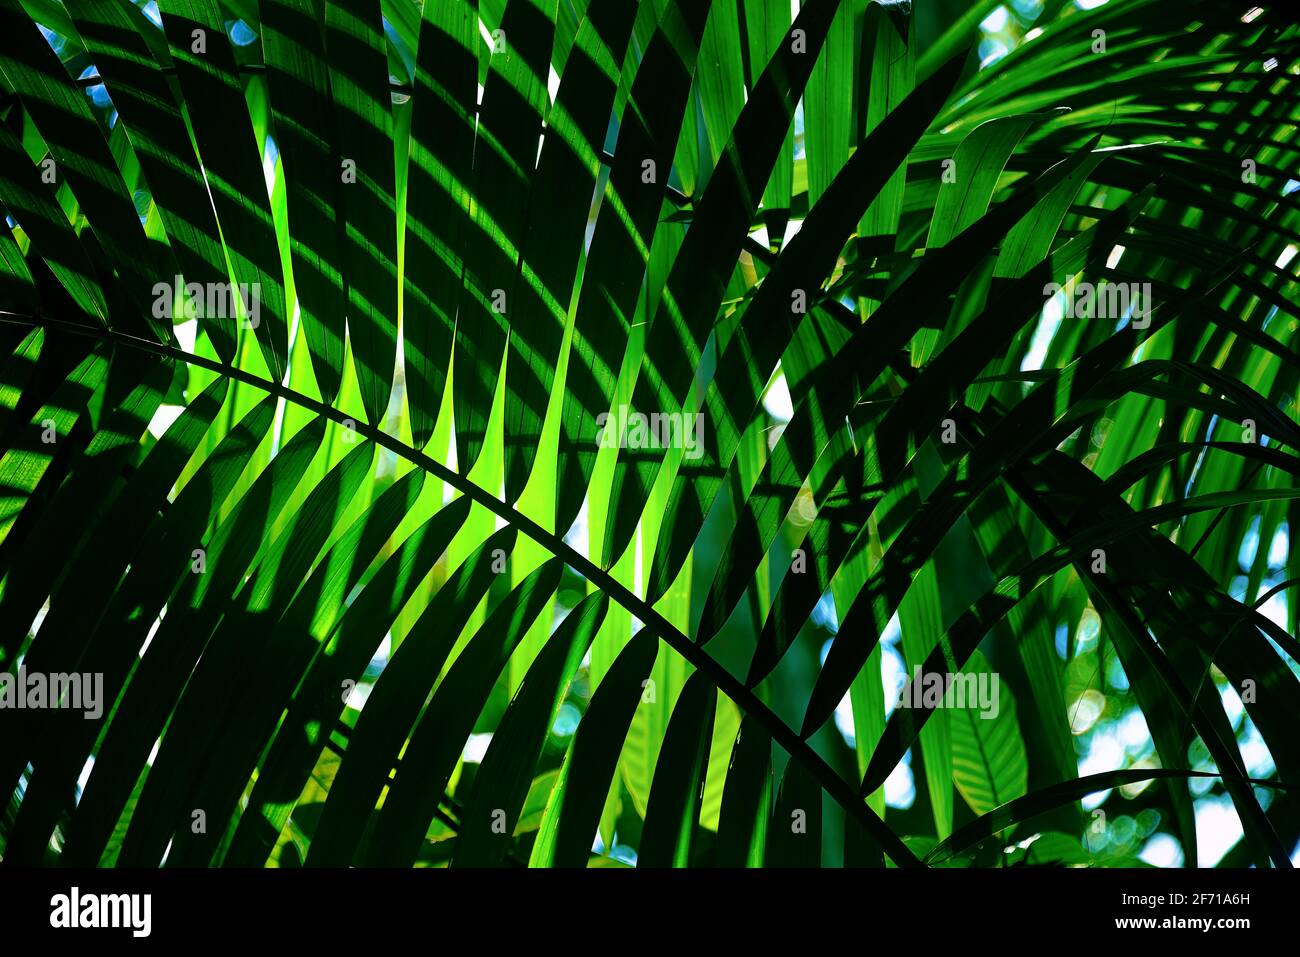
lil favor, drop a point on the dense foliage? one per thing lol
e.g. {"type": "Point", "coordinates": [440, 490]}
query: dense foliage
{"type": "Point", "coordinates": [592, 432]}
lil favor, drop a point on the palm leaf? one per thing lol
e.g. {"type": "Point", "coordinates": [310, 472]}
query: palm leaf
{"type": "Point", "coordinates": [321, 326]}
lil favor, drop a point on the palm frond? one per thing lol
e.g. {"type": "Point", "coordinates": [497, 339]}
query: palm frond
{"type": "Point", "coordinates": [581, 432]}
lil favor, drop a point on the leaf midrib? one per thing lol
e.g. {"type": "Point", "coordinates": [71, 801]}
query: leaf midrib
{"type": "Point", "coordinates": [723, 680]}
